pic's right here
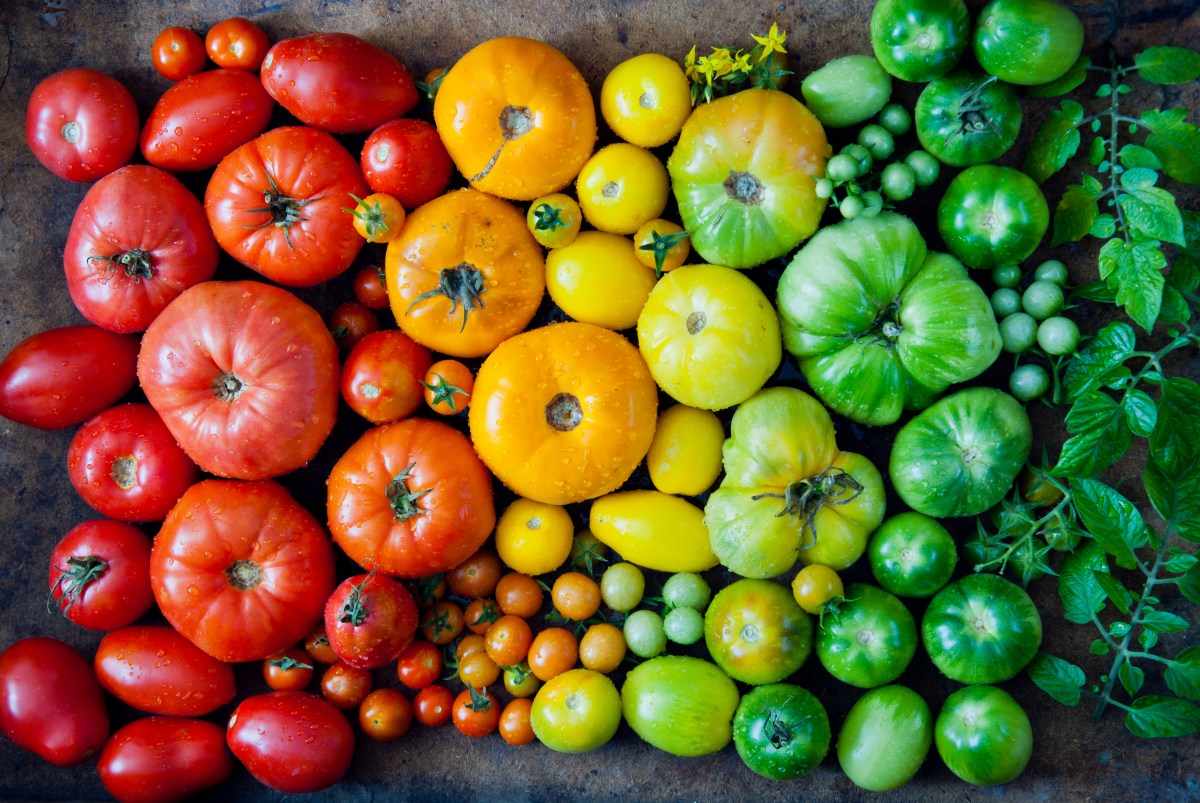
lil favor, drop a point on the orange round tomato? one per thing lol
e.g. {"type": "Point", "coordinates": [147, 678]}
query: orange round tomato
{"type": "Point", "coordinates": [465, 273]}
{"type": "Point", "coordinates": [377, 218]}
{"type": "Point", "coordinates": [517, 118]}
{"type": "Point", "coordinates": [178, 52]}
{"type": "Point", "coordinates": [514, 724]}
{"type": "Point", "coordinates": [563, 413]}
{"type": "Point", "coordinates": [237, 43]}
{"type": "Point", "coordinates": [385, 715]}
{"type": "Point", "coordinates": [448, 385]}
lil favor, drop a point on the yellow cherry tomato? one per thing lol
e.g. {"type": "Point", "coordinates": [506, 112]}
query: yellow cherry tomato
{"type": "Point", "coordinates": [377, 218]}
{"type": "Point", "coordinates": [662, 245]}
{"type": "Point", "coordinates": [685, 455]}
{"type": "Point", "coordinates": [815, 586]}
{"type": "Point", "coordinates": [621, 187]}
{"type": "Point", "coordinates": [652, 529]}
{"type": "Point", "coordinates": [646, 99]}
{"type": "Point", "coordinates": [554, 219]}
{"type": "Point", "coordinates": [597, 279]}
{"type": "Point", "coordinates": [534, 537]}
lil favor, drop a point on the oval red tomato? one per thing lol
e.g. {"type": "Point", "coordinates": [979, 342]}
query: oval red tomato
{"type": "Point", "coordinates": [81, 124]}
{"type": "Point", "coordinates": [292, 741]}
{"type": "Point", "coordinates": [369, 620]}
{"type": "Point", "coordinates": [159, 759]}
{"type": "Point", "coordinates": [100, 574]}
{"type": "Point", "coordinates": [381, 380]}
{"type": "Point", "coordinates": [406, 159]}
{"type": "Point", "coordinates": [155, 669]}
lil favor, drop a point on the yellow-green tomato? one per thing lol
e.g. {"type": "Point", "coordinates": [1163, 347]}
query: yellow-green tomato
{"type": "Point", "coordinates": [646, 99]}
{"type": "Point", "coordinates": [621, 187]}
{"type": "Point", "coordinates": [756, 632]}
{"type": "Point", "coordinates": [576, 711]}
{"type": "Point", "coordinates": [680, 704]}
{"type": "Point", "coordinates": [654, 530]}
{"type": "Point", "coordinates": [554, 219]}
{"type": "Point", "coordinates": [685, 455]}
{"type": "Point", "coordinates": [598, 279]}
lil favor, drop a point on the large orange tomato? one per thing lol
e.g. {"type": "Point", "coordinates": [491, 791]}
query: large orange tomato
{"type": "Point", "coordinates": [465, 273]}
{"type": "Point", "coordinates": [517, 118]}
{"type": "Point", "coordinates": [563, 413]}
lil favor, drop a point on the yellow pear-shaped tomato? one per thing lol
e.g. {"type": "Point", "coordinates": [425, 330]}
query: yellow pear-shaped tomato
{"type": "Point", "coordinates": [685, 455]}
{"type": "Point", "coordinates": [653, 529]}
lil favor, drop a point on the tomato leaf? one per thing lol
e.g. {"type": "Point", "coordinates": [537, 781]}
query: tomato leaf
{"type": "Point", "coordinates": [1189, 584]}
{"type": "Point", "coordinates": [1116, 592]}
{"type": "Point", "coordinates": [1131, 677]}
{"type": "Point", "coordinates": [1175, 307]}
{"type": "Point", "coordinates": [1164, 64]}
{"type": "Point", "coordinates": [1163, 622]}
{"type": "Point", "coordinates": [1095, 291]}
{"type": "Point", "coordinates": [1112, 519]}
{"type": "Point", "coordinates": [1133, 156]}
{"type": "Point", "coordinates": [1080, 593]}
{"type": "Point", "coordinates": [1175, 142]}
{"type": "Point", "coordinates": [1072, 79]}
{"type": "Point", "coordinates": [1076, 213]}
{"type": "Point", "coordinates": [1180, 562]}
{"type": "Point", "coordinates": [1175, 441]}
{"type": "Point", "coordinates": [1100, 436]}
{"type": "Point", "coordinates": [1101, 363]}
{"type": "Point", "coordinates": [1061, 679]}
{"type": "Point", "coordinates": [1175, 495]}
{"type": "Point", "coordinates": [1183, 673]}
{"type": "Point", "coordinates": [1150, 211]}
{"type": "Point", "coordinates": [1134, 270]}
{"type": "Point", "coordinates": [1156, 716]}
{"type": "Point", "coordinates": [1056, 141]}
{"type": "Point", "coordinates": [1140, 412]}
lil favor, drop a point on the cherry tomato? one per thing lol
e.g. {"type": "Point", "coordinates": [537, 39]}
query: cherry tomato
{"type": "Point", "coordinates": [237, 43]}
{"type": "Point", "coordinates": [317, 645]}
{"type": "Point", "coordinates": [468, 644]}
{"type": "Point", "coordinates": [382, 375]}
{"type": "Point", "coordinates": [519, 680]}
{"type": "Point", "coordinates": [370, 287]}
{"type": "Point", "coordinates": [661, 244]}
{"type": "Point", "coordinates": [602, 648]}
{"type": "Point", "coordinates": [155, 669]}
{"type": "Point", "coordinates": [816, 586]}
{"type": "Point", "coordinates": [554, 219]}
{"type": "Point", "coordinates": [476, 576]}
{"type": "Point", "coordinates": [81, 124]}
{"type": "Point", "coordinates": [575, 595]}
{"type": "Point", "coordinates": [478, 669]}
{"type": "Point", "coordinates": [100, 574]}
{"type": "Point", "coordinates": [519, 594]}
{"type": "Point", "coordinates": [370, 619]}
{"type": "Point", "coordinates": [443, 622]}
{"type": "Point", "coordinates": [448, 385]}
{"type": "Point", "coordinates": [552, 652]}
{"type": "Point", "coordinates": [514, 723]}
{"type": "Point", "coordinates": [480, 614]}
{"type": "Point", "coordinates": [420, 664]}
{"type": "Point", "coordinates": [385, 715]}
{"type": "Point", "coordinates": [291, 741]}
{"type": "Point", "coordinates": [405, 158]}
{"type": "Point", "coordinates": [507, 640]}
{"type": "Point", "coordinates": [178, 52]}
{"type": "Point", "coordinates": [432, 705]}
{"type": "Point", "coordinates": [346, 686]}
{"type": "Point", "coordinates": [350, 322]}
{"type": "Point", "coordinates": [290, 669]}
{"type": "Point", "coordinates": [157, 759]}
{"type": "Point", "coordinates": [429, 589]}
{"type": "Point", "coordinates": [476, 712]}
{"type": "Point", "coordinates": [378, 217]}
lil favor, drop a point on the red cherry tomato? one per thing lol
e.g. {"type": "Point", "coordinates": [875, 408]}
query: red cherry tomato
{"type": "Point", "coordinates": [155, 669]}
{"type": "Point", "coordinates": [370, 619]}
{"type": "Point", "coordinates": [237, 43]}
{"type": "Point", "coordinates": [381, 378]}
{"type": "Point", "coordinates": [291, 741]}
{"type": "Point", "coordinates": [350, 322]}
{"type": "Point", "coordinates": [476, 713]}
{"type": "Point", "coordinates": [178, 52]}
{"type": "Point", "coordinates": [81, 124]}
{"type": "Point", "coordinates": [420, 664]}
{"type": "Point", "coordinates": [164, 758]}
{"type": "Point", "coordinates": [370, 288]}
{"type": "Point", "coordinates": [432, 705]}
{"type": "Point", "coordinates": [100, 574]}
{"type": "Point", "coordinates": [290, 669]}
{"type": "Point", "coordinates": [406, 159]}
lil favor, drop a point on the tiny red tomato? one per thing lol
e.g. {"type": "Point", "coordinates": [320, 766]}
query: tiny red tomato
{"type": "Point", "coordinates": [480, 614]}
{"type": "Point", "coordinates": [370, 287]}
{"type": "Point", "coordinates": [290, 669]}
{"type": "Point", "coordinates": [156, 759]}
{"type": "Point", "coordinates": [381, 377]}
{"type": "Point", "coordinates": [385, 715]}
{"type": "Point", "coordinates": [514, 725]}
{"type": "Point", "coordinates": [317, 645]}
{"type": "Point", "coordinates": [100, 574]}
{"type": "Point", "coordinates": [443, 622]}
{"type": "Point", "coordinates": [350, 322]}
{"type": "Point", "coordinates": [178, 52]}
{"type": "Point", "coordinates": [237, 43]}
{"type": "Point", "coordinates": [432, 705]}
{"type": "Point", "coordinates": [346, 686]}
{"type": "Point", "coordinates": [377, 218]}
{"type": "Point", "coordinates": [476, 712]}
{"type": "Point", "coordinates": [291, 741]}
{"type": "Point", "coordinates": [420, 664]}
{"type": "Point", "coordinates": [370, 619]}
{"type": "Point", "coordinates": [405, 158]}
{"type": "Point", "coordinates": [448, 386]}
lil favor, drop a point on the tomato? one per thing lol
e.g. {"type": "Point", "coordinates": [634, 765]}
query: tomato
{"type": "Point", "coordinates": [519, 594]}
{"type": "Point", "coordinates": [661, 244]}
{"type": "Point", "coordinates": [1058, 336]}
{"type": "Point", "coordinates": [370, 619]}
{"type": "Point", "coordinates": [519, 680]}
{"type": "Point", "coordinates": [316, 644]}
{"type": "Point", "coordinates": [960, 457]}
{"type": "Point", "coordinates": [448, 386]}
{"type": "Point", "coordinates": [686, 590]}
{"type": "Point", "coordinates": [966, 118]}
{"type": "Point", "coordinates": [981, 629]}
{"type": "Point", "coordinates": [419, 664]}
{"type": "Point", "coordinates": [744, 173]}
{"type": "Point", "coordinates": [756, 632]}
{"type": "Point", "coordinates": [554, 219]}
{"type": "Point", "coordinates": [992, 215]}
{"type": "Point", "coordinates": [1027, 41]}
{"type": "Point", "coordinates": [517, 117]}
{"type": "Point", "coordinates": [237, 43]}
{"type": "Point", "coordinates": [576, 711]}
{"type": "Point", "coordinates": [514, 726]}
{"type": "Point", "coordinates": [50, 701]}
{"type": "Point", "coordinates": [645, 633]}
{"type": "Point", "coordinates": [788, 490]}
{"type": "Point", "coordinates": [602, 648]}
{"type": "Point", "coordinates": [680, 704]}
{"type": "Point", "coordinates": [575, 595]}
{"type": "Point", "coordinates": [346, 686]}
{"type": "Point", "coordinates": [683, 625]}
{"type": "Point", "coordinates": [100, 575]}
{"type": "Point", "coordinates": [598, 279]}
{"type": "Point", "coordinates": [410, 499]}
{"type": "Point", "coordinates": [382, 375]}
{"type": "Point", "coordinates": [442, 622]}
{"type": "Point", "coordinates": [553, 651]}
{"type": "Point", "coordinates": [709, 336]}
{"type": "Point", "coordinates": [405, 158]}
{"type": "Point", "coordinates": [350, 322]}
{"type": "Point", "coordinates": [377, 218]}
{"type": "Point", "coordinates": [880, 324]}
{"type": "Point", "coordinates": [81, 124]}
{"type": "Point", "coordinates": [911, 555]}
{"type": "Point", "coordinates": [476, 712]}
{"type": "Point", "coordinates": [846, 91]}
{"type": "Point", "coordinates": [781, 731]}
{"type": "Point", "coordinates": [885, 738]}
{"type": "Point", "coordinates": [919, 40]}
{"type": "Point", "coordinates": [155, 669]}
{"type": "Point", "coordinates": [818, 589]}
{"type": "Point", "coordinates": [646, 99]}
{"type": "Point", "coordinates": [178, 52]}
{"type": "Point", "coordinates": [158, 759]}
{"type": "Point", "coordinates": [203, 118]}
{"type": "Point", "coordinates": [432, 705]}
{"type": "Point", "coordinates": [870, 640]}
{"type": "Point", "coordinates": [62, 377]}
{"type": "Point", "coordinates": [1042, 299]}
{"type": "Point", "coordinates": [245, 375]}
{"type": "Point", "coordinates": [290, 669]}
{"type": "Point", "coordinates": [587, 551]}
{"type": "Point", "coordinates": [241, 569]}
{"type": "Point", "coordinates": [370, 287]}
{"type": "Point", "coordinates": [138, 239]}
{"type": "Point", "coordinates": [653, 529]}
{"type": "Point", "coordinates": [622, 586]}
{"type": "Point", "coordinates": [983, 735]}
{"type": "Point", "coordinates": [480, 614]}
{"type": "Point", "coordinates": [385, 715]}
{"type": "Point", "coordinates": [575, 401]}
{"type": "Point", "coordinates": [620, 187]}
{"type": "Point", "coordinates": [476, 576]}
{"type": "Point", "coordinates": [478, 669]}
{"type": "Point", "coordinates": [291, 741]}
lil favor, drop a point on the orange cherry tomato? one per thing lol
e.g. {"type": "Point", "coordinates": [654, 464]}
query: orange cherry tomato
{"type": "Point", "coordinates": [480, 614]}
{"type": "Point", "coordinates": [476, 576]}
{"type": "Point", "coordinates": [385, 715]}
{"type": "Point", "coordinates": [448, 387]}
{"type": "Point", "coordinates": [178, 52]}
{"type": "Point", "coordinates": [552, 652]}
{"type": "Point", "coordinates": [514, 726]}
{"type": "Point", "coordinates": [290, 669]}
{"type": "Point", "coordinates": [519, 594]}
{"type": "Point", "coordinates": [575, 595]}
{"type": "Point", "coordinates": [507, 640]}
{"type": "Point", "coordinates": [377, 218]}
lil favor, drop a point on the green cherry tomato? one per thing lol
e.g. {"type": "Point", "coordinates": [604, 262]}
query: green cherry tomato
{"type": "Point", "coordinates": [896, 119]}
{"type": "Point", "coordinates": [871, 639]}
{"type": "Point", "coordinates": [847, 90]}
{"type": "Point", "coordinates": [911, 555]}
{"type": "Point", "coordinates": [1058, 335]}
{"type": "Point", "coordinates": [878, 140]}
{"type": "Point", "coordinates": [885, 738]}
{"type": "Point", "coordinates": [622, 586]}
{"type": "Point", "coordinates": [1018, 332]}
{"type": "Point", "coordinates": [966, 118]}
{"type": "Point", "coordinates": [1007, 275]}
{"type": "Point", "coordinates": [686, 590]}
{"type": "Point", "coordinates": [851, 207]}
{"type": "Point", "coordinates": [1042, 299]}
{"type": "Point", "coordinates": [919, 40]}
{"type": "Point", "coordinates": [683, 625]}
{"type": "Point", "coordinates": [925, 167]}
{"type": "Point", "coordinates": [1052, 270]}
{"type": "Point", "coordinates": [781, 731]}
{"type": "Point", "coordinates": [898, 181]}
{"type": "Point", "coordinates": [756, 632]}
{"type": "Point", "coordinates": [576, 711]}
{"type": "Point", "coordinates": [983, 735]}
{"type": "Point", "coordinates": [1005, 301]}
{"type": "Point", "coordinates": [1027, 41]}
{"type": "Point", "coordinates": [644, 635]}
{"type": "Point", "coordinates": [992, 215]}
{"type": "Point", "coordinates": [1028, 382]}
{"type": "Point", "coordinates": [842, 168]}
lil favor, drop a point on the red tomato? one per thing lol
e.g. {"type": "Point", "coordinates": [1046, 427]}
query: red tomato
{"type": "Point", "coordinates": [406, 159]}
{"type": "Point", "coordinates": [178, 52]}
{"type": "Point", "coordinates": [237, 43]}
{"type": "Point", "coordinates": [156, 670]}
{"type": "Point", "coordinates": [204, 117]}
{"type": "Point", "coordinates": [410, 499]}
{"type": "Point", "coordinates": [350, 322]}
{"type": "Point", "coordinates": [432, 705]}
{"type": "Point", "coordinates": [292, 741]}
{"type": "Point", "coordinates": [338, 82]}
{"type": "Point", "coordinates": [420, 664]}
{"type": "Point", "coordinates": [139, 238]}
{"type": "Point", "coordinates": [370, 619]}
{"type": "Point", "coordinates": [159, 759]}
{"type": "Point", "coordinates": [50, 701]}
{"type": "Point", "coordinates": [81, 124]}
{"type": "Point", "coordinates": [476, 712]}
{"type": "Point", "coordinates": [245, 375]}
{"type": "Point", "coordinates": [385, 715]}
{"type": "Point", "coordinates": [62, 377]}
{"type": "Point", "coordinates": [370, 287]}
{"type": "Point", "coordinates": [381, 379]}
{"type": "Point", "coordinates": [241, 569]}
{"type": "Point", "coordinates": [291, 669]}
{"type": "Point", "coordinates": [275, 204]}
{"type": "Point", "coordinates": [346, 686]}
{"type": "Point", "coordinates": [100, 574]}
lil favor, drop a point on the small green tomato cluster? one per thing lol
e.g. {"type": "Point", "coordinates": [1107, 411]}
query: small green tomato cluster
{"type": "Point", "coordinates": [1032, 317]}
{"type": "Point", "coordinates": [685, 595]}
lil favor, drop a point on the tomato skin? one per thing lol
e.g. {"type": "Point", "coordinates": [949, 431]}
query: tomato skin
{"type": "Point", "coordinates": [178, 52]}
{"type": "Point", "coordinates": [919, 40]}
{"type": "Point", "coordinates": [204, 117]}
{"type": "Point", "coordinates": [432, 705]}
{"type": "Point", "coordinates": [237, 43]}
{"type": "Point", "coordinates": [992, 215]}
{"type": "Point", "coordinates": [756, 632]}
{"type": "Point", "coordinates": [338, 82]}
{"type": "Point", "coordinates": [381, 377]}
{"type": "Point", "coordinates": [155, 669]}
{"type": "Point", "coordinates": [291, 741]}
{"type": "Point", "coordinates": [50, 701]}
{"type": "Point", "coordinates": [370, 619]}
{"type": "Point", "coordinates": [576, 711]}
{"type": "Point", "coordinates": [419, 664]}
{"type": "Point", "coordinates": [406, 159]}
{"type": "Point", "coordinates": [121, 594]}
{"type": "Point", "coordinates": [81, 124]}
{"type": "Point", "coordinates": [872, 639]}
{"type": "Point", "coordinates": [983, 735]}
{"type": "Point", "coordinates": [1027, 41]}
{"type": "Point", "coordinates": [885, 738]}
{"type": "Point", "coordinates": [61, 377]}
{"type": "Point", "coordinates": [160, 759]}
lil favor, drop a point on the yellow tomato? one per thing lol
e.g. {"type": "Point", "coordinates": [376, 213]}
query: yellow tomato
{"type": "Point", "coordinates": [646, 99]}
{"type": "Point", "coordinates": [598, 279]}
{"type": "Point", "coordinates": [377, 218]}
{"type": "Point", "coordinates": [655, 530]}
{"type": "Point", "coordinates": [685, 455]}
{"type": "Point", "coordinates": [662, 245]}
{"type": "Point", "coordinates": [554, 219]}
{"type": "Point", "coordinates": [621, 187]}
{"type": "Point", "coordinates": [534, 537]}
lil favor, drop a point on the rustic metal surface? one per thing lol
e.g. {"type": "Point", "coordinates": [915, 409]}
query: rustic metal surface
{"type": "Point", "coordinates": [1074, 758]}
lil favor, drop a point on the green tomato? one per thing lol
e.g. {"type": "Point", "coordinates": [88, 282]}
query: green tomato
{"type": "Point", "coordinates": [1027, 41]}
{"type": "Point", "coordinates": [896, 119]}
{"type": "Point", "coordinates": [842, 168]}
{"type": "Point", "coordinates": [960, 457]}
{"type": "Point", "coordinates": [644, 634]}
{"type": "Point", "coordinates": [966, 118]}
{"type": "Point", "coordinates": [919, 40]}
{"type": "Point", "coordinates": [1052, 270]}
{"type": "Point", "coordinates": [622, 586]}
{"type": "Point", "coordinates": [898, 181]}
{"type": "Point", "coordinates": [686, 590]}
{"type": "Point", "coordinates": [911, 555]}
{"type": "Point", "coordinates": [885, 738]}
{"type": "Point", "coordinates": [1018, 332]}
{"type": "Point", "coordinates": [851, 207]}
{"type": "Point", "coordinates": [1005, 301]}
{"type": "Point", "coordinates": [847, 90]}
{"type": "Point", "coordinates": [878, 140]}
{"type": "Point", "coordinates": [981, 629]}
{"type": "Point", "coordinates": [1028, 382]}
{"type": "Point", "coordinates": [925, 167]}
{"type": "Point", "coordinates": [756, 632]}
{"type": "Point", "coordinates": [1042, 299]}
{"type": "Point", "coordinates": [680, 704]}
{"type": "Point", "coordinates": [1007, 275]}
{"type": "Point", "coordinates": [781, 731]}
{"type": "Point", "coordinates": [683, 625]}
{"type": "Point", "coordinates": [576, 711]}
{"type": "Point", "coordinates": [983, 735]}
{"type": "Point", "coordinates": [992, 215]}
{"type": "Point", "coordinates": [1058, 335]}
{"type": "Point", "coordinates": [871, 639]}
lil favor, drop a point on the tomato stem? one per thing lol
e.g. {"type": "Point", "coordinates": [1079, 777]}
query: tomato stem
{"type": "Point", "coordinates": [443, 392]}
{"type": "Point", "coordinates": [135, 262]}
{"type": "Point", "coordinates": [284, 210]}
{"type": "Point", "coordinates": [462, 284]}
{"type": "Point", "coordinates": [401, 498]}
{"type": "Point", "coordinates": [805, 498]}
{"type": "Point", "coordinates": [77, 576]}
{"type": "Point", "coordinates": [354, 609]}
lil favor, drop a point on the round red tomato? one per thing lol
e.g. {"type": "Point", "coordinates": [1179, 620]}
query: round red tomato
{"type": "Point", "coordinates": [237, 43]}
{"type": "Point", "coordinates": [370, 619]}
{"type": "Point", "coordinates": [245, 375]}
{"type": "Point", "coordinates": [419, 665]}
{"type": "Point", "coordinates": [410, 499]}
{"type": "Point", "coordinates": [159, 759]}
{"type": "Point", "coordinates": [241, 569]}
{"type": "Point", "coordinates": [62, 377]}
{"type": "Point", "coordinates": [178, 52]}
{"type": "Point", "coordinates": [406, 159]}
{"type": "Point", "coordinates": [100, 574]}
{"type": "Point", "coordinates": [370, 287]}
{"type": "Point", "coordinates": [476, 712]}
{"type": "Point", "coordinates": [290, 669]}
{"type": "Point", "coordinates": [350, 322]}
{"type": "Point", "coordinates": [156, 670]}
{"type": "Point", "coordinates": [81, 124]}
{"type": "Point", "coordinates": [139, 238]}
{"type": "Point", "coordinates": [432, 704]}
{"type": "Point", "coordinates": [291, 741]}
{"type": "Point", "coordinates": [381, 379]}
{"type": "Point", "coordinates": [275, 204]}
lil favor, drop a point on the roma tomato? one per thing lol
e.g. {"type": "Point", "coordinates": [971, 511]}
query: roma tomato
{"type": "Point", "coordinates": [992, 215]}
{"type": "Point", "coordinates": [781, 731]}
{"type": "Point", "coordinates": [517, 118]}
{"type": "Point", "coordinates": [81, 124]}
{"type": "Point", "coordinates": [156, 670]}
{"type": "Point", "coordinates": [885, 738]}
{"type": "Point", "coordinates": [871, 639]}
{"type": "Point", "coordinates": [646, 99]}
{"type": "Point", "coordinates": [598, 279]}
{"type": "Point", "coordinates": [755, 631]}
{"type": "Point", "coordinates": [178, 52]}
{"type": "Point", "coordinates": [576, 711]}
{"type": "Point", "coordinates": [1027, 41]}
{"type": "Point", "coordinates": [653, 529]}
{"type": "Point", "coordinates": [382, 378]}
{"type": "Point", "coordinates": [241, 569]}
{"type": "Point", "coordinates": [245, 375]}
{"type": "Point", "coordinates": [159, 759]}
{"type": "Point", "coordinates": [370, 619]}
{"type": "Point", "coordinates": [919, 40]}
{"type": "Point", "coordinates": [100, 574]}
{"type": "Point", "coordinates": [847, 90]}
{"type": "Point", "coordinates": [275, 204]}
{"type": "Point", "coordinates": [575, 400]}
{"type": "Point", "coordinates": [138, 239]}
{"type": "Point", "coordinates": [291, 741]}
{"type": "Point", "coordinates": [237, 43]}
{"type": "Point", "coordinates": [983, 735]}
{"type": "Point", "coordinates": [685, 455]}
{"type": "Point", "coordinates": [966, 118]}
{"type": "Point", "coordinates": [406, 159]}
{"type": "Point", "coordinates": [410, 499]}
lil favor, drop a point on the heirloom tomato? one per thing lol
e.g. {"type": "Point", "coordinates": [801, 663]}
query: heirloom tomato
{"type": "Point", "coordinates": [576, 711]}
{"type": "Point", "coordinates": [237, 43]}
{"type": "Point", "coordinates": [410, 499]}
{"type": "Point", "coordinates": [919, 40]}
{"type": "Point", "coordinates": [383, 377]}
{"type": "Point", "coordinates": [465, 273]}
{"type": "Point", "coordinates": [598, 279]}
{"type": "Point", "coordinates": [912, 555]}
{"type": "Point", "coordinates": [158, 759]}
{"type": "Point", "coordinates": [967, 118]}
{"type": "Point", "coordinates": [178, 52]}
{"type": "Point", "coordinates": [788, 490]}
{"type": "Point", "coordinates": [448, 387]}
{"type": "Point", "coordinates": [564, 412]}
{"type": "Point", "coordinates": [871, 639]}
{"type": "Point", "coordinates": [291, 741]}
{"type": "Point", "coordinates": [744, 172]}
{"type": "Point", "coordinates": [100, 574]}
{"type": "Point", "coordinates": [517, 117]}
{"type": "Point", "coordinates": [621, 187]}
{"type": "Point", "coordinates": [1027, 41]}
{"type": "Point", "coordinates": [406, 159]}
{"type": "Point", "coordinates": [369, 620]}
{"type": "Point", "coordinates": [646, 99]}
{"type": "Point", "coordinates": [880, 324]}
{"type": "Point", "coordinates": [554, 219]}
{"type": "Point", "coordinates": [241, 569]}
{"type": "Point", "coordinates": [983, 735]}
{"type": "Point", "coordinates": [81, 124]}
{"type": "Point", "coordinates": [275, 204]}
{"type": "Point", "coordinates": [781, 731]}
{"type": "Point", "coordinates": [653, 529]}
{"type": "Point", "coordinates": [847, 90]}
{"type": "Point", "coordinates": [885, 738]}
{"type": "Point", "coordinates": [685, 455]}
{"type": "Point", "coordinates": [680, 704]}
{"type": "Point", "coordinates": [534, 537]}
{"type": "Point", "coordinates": [992, 215]}
{"type": "Point", "coordinates": [155, 669]}
{"type": "Point", "coordinates": [755, 631]}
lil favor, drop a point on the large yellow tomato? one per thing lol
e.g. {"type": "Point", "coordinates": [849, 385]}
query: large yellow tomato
{"type": "Point", "coordinates": [517, 118]}
{"type": "Point", "coordinates": [599, 279]}
{"type": "Point", "coordinates": [563, 413]}
{"type": "Point", "coordinates": [465, 273]}
{"type": "Point", "coordinates": [646, 99]}
{"type": "Point", "coordinates": [621, 187]}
